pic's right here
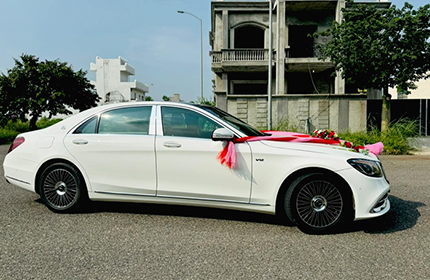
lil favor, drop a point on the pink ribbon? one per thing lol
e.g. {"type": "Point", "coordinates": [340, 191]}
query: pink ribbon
{"type": "Point", "coordinates": [228, 155]}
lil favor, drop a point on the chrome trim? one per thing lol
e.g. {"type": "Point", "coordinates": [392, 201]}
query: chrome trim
{"type": "Point", "coordinates": [212, 199]}
{"type": "Point", "coordinates": [122, 193]}
{"type": "Point", "coordinates": [381, 204]}
{"type": "Point", "coordinates": [21, 181]}
{"type": "Point", "coordinates": [383, 172]}
{"type": "Point", "coordinates": [181, 197]}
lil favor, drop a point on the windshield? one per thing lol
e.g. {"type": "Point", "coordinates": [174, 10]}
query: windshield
{"type": "Point", "coordinates": [232, 120]}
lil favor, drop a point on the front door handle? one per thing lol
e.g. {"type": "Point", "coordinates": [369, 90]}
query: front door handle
{"type": "Point", "coordinates": [80, 142]}
{"type": "Point", "coordinates": [171, 145]}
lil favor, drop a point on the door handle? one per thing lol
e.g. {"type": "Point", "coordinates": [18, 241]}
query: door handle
{"type": "Point", "coordinates": [80, 142]}
{"type": "Point", "coordinates": [171, 145]}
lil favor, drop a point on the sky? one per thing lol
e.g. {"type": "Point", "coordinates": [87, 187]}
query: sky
{"type": "Point", "coordinates": [162, 45]}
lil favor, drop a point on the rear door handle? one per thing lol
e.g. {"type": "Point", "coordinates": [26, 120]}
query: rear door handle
{"type": "Point", "coordinates": [80, 142]}
{"type": "Point", "coordinates": [171, 145]}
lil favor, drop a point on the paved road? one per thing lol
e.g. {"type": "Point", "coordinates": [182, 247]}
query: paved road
{"type": "Point", "coordinates": [138, 241]}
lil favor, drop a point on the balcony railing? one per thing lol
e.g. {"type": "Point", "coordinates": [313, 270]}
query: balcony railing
{"type": "Point", "coordinates": [240, 55]}
{"type": "Point", "coordinates": [250, 55]}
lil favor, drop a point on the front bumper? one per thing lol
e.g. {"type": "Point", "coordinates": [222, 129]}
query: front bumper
{"type": "Point", "coordinates": [370, 194]}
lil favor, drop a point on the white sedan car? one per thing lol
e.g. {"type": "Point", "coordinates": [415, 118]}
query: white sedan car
{"type": "Point", "coordinates": [163, 152]}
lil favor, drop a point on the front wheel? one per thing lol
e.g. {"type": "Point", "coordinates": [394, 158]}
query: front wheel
{"type": "Point", "coordinates": [60, 187]}
{"type": "Point", "coordinates": [317, 203]}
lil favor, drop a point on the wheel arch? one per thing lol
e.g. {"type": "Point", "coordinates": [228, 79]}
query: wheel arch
{"type": "Point", "coordinates": [311, 170]}
{"type": "Point", "coordinates": [53, 161]}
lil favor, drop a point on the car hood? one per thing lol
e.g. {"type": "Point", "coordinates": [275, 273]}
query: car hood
{"type": "Point", "coordinates": [317, 148]}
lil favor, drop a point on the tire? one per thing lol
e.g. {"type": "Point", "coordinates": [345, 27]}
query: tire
{"type": "Point", "coordinates": [317, 203]}
{"type": "Point", "coordinates": [61, 187]}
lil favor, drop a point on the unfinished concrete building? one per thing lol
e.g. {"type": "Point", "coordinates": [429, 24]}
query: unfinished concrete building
{"type": "Point", "coordinates": [304, 92]}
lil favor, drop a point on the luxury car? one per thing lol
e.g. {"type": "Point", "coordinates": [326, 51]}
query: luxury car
{"type": "Point", "coordinates": [190, 154]}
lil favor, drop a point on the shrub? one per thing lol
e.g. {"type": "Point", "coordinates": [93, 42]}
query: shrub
{"type": "Point", "coordinates": [18, 126]}
{"type": "Point", "coordinates": [286, 125]}
{"type": "Point", "coordinates": [7, 136]}
{"type": "Point", "coordinates": [394, 139]}
{"type": "Point", "coordinates": [282, 125]}
{"type": "Point", "coordinates": [45, 122]}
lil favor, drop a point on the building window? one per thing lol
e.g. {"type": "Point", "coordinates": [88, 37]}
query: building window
{"type": "Point", "coordinates": [301, 41]}
{"type": "Point", "coordinates": [310, 82]}
{"type": "Point", "coordinates": [248, 87]}
{"type": "Point", "coordinates": [248, 37]}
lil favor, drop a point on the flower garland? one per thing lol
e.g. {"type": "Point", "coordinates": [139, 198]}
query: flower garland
{"type": "Point", "coordinates": [326, 134]}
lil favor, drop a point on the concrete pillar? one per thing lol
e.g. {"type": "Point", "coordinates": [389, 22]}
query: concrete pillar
{"type": "Point", "coordinates": [339, 83]}
{"type": "Point", "coordinates": [280, 48]}
{"type": "Point", "coordinates": [221, 101]}
{"type": "Point", "coordinates": [340, 5]}
{"type": "Point", "coordinates": [343, 115]}
{"type": "Point", "coordinates": [225, 83]}
{"type": "Point", "coordinates": [225, 29]}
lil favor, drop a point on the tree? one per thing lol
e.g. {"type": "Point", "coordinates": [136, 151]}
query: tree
{"type": "Point", "coordinates": [380, 48]}
{"type": "Point", "coordinates": [165, 98]}
{"type": "Point", "coordinates": [148, 98]}
{"type": "Point", "coordinates": [33, 87]}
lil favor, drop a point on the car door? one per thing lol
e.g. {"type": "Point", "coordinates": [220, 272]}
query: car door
{"type": "Point", "coordinates": [187, 164]}
{"type": "Point", "coordinates": [116, 151]}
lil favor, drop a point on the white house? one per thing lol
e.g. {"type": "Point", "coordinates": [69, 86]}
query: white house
{"type": "Point", "coordinates": [113, 81]}
{"type": "Point", "coordinates": [421, 92]}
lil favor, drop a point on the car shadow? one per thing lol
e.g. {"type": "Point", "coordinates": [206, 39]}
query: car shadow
{"type": "Point", "coordinates": [403, 215]}
{"type": "Point", "coordinates": [95, 207]}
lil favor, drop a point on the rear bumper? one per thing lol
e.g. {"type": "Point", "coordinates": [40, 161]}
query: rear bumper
{"type": "Point", "coordinates": [20, 173]}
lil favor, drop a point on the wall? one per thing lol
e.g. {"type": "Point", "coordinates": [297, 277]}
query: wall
{"type": "Point", "coordinates": [336, 112]}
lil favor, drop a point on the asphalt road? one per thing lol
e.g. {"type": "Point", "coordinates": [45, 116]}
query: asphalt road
{"type": "Point", "coordinates": [139, 241]}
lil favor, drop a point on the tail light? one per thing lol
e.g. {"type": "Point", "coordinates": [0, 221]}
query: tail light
{"type": "Point", "coordinates": [18, 141]}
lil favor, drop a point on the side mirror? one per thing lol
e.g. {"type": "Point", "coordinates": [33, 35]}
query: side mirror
{"type": "Point", "coordinates": [222, 134]}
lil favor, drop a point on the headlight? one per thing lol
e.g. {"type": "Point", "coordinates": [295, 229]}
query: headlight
{"type": "Point", "coordinates": [367, 167]}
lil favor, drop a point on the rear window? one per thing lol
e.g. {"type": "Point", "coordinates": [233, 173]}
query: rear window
{"type": "Point", "coordinates": [126, 121]}
{"type": "Point", "coordinates": [134, 121]}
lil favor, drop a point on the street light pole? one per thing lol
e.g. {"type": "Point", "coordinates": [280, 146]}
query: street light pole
{"type": "Point", "coordinates": [269, 83]}
{"type": "Point", "coordinates": [201, 50]}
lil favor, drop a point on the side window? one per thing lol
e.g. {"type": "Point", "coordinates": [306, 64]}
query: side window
{"type": "Point", "coordinates": [186, 123]}
{"type": "Point", "coordinates": [88, 127]}
{"type": "Point", "coordinates": [133, 121]}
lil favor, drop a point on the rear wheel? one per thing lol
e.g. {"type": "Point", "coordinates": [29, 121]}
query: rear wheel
{"type": "Point", "coordinates": [317, 203]}
{"type": "Point", "coordinates": [61, 187]}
